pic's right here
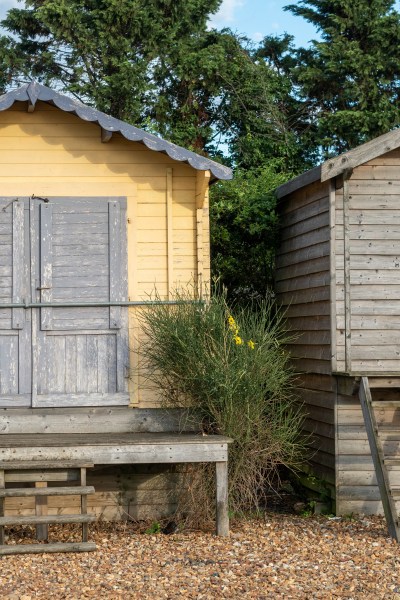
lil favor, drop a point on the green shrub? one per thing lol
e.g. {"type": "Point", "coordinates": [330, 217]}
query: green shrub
{"type": "Point", "coordinates": [232, 368]}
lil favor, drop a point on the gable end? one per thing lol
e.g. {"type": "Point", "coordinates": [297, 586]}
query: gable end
{"type": "Point", "coordinates": [33, 92]}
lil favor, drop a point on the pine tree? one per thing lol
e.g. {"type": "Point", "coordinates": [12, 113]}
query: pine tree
{"type": "Point", "coordinates": [99, 50]}
{"type": "Point", "coordinates": [155, 64]}
{"type": "Point", "coordinates": [218, 91]}
{"type": "Point", "coordinates": [351, 78]}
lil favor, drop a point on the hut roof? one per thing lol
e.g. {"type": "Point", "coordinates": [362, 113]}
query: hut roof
{"type": "Point", "coordinates": [348, 160]}
{"type": "Point", "coordinates": [32, 92]}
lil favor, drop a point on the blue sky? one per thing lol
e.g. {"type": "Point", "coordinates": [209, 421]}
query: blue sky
{"type": "Point", "coordinates": [255, 18]}
{"type": "Point", "coordinates": [258, 18]}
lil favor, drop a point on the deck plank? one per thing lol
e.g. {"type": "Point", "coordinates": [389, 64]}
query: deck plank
{"type": "Point", "coordinates": [115, 448]}
{"type": "Point", "coordinates": [107, 439]}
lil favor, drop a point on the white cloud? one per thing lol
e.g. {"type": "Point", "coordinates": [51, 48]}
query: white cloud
{"type": "Point", "coordinates": [226, 14]}
{"type": "Point", "coordinates": [258, 36]}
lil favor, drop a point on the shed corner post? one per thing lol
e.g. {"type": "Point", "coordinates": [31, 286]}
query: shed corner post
{"type": "Point", "coordinates": [170, 232]}
{"type": "Point", "coordinates": [347, 300]}
{"type": "Point", "coordinates": [2, 502]}
{"type": "Point", "coordinates": [222, 516]}
{"type": "Point", "coordinates": [332, 267]}
{"type": "Point", "coordinates": [203, 179]}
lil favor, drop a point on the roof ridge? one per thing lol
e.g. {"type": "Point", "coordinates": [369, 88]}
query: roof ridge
{"type": "Point", "coordinates": [345, 161]}
{"type": "Point", "coordinates": [34, 91]}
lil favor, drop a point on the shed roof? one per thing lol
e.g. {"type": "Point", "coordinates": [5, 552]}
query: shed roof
{"type": "Point", "coordinates": [32, 92]}
{"type": "Point", "coordinates": [339, 164]}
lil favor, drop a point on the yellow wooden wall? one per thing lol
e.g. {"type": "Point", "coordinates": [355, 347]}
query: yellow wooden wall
{"type": "Point", "coordinates": [53, 153]}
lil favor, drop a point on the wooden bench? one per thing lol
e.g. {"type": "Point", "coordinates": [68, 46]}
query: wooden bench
{"type": "Point", "coordinates": [114, 437]}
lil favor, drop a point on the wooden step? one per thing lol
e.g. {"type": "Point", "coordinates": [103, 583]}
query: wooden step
{"type": "Point", "coordinates": [391, 461]}
{"type": "Point", "coordinates": [382, 404]}
{"type": "Point", "coordinates": [44, 548]}
{"type": "Point", "coordinates": [393, 430]}
{"type": "Point", "coordinates": [44, 464]}
{"type": "Point", "coordinates": [395, 492]}
{"type": "Point", "coordinates": [27, 476]}
{"type": "Point", "coordinates": [46, 520]}
{"type": "Point", "coordinates": [77, 490]}
{"type": "Point", "coordinates": [383, 382]}
{"type": "Point", "coordinates": [377, 453]}
{"type": "Point", "coordinates": [391, 442]}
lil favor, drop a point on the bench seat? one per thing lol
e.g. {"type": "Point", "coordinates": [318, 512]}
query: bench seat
{"type": "Point", "coordinates": [126, 448]}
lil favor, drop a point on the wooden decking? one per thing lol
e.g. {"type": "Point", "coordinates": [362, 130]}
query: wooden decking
{"type": "Point", "coordinates": [115, 448]}
{"type": "Point", "coordinates": [114, 437]}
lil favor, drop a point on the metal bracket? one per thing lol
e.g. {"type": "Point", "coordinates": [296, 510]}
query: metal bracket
{"type": "Point", "coordinates": [33, 197]}
{"type": "Point", "coordinates": [9, 204]}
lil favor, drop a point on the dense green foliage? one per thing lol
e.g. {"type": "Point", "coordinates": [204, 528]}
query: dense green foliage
{"type": "Point", "coordinates": [215, 91]}
{"type": "Point", "coordinates": [232, 369]}
{"type": "Point", "coordinates": [100, 50]}
{"type": "Point", "coordinates": [244, 230]}
{"type": "Point", "coordinates": [350, 79]}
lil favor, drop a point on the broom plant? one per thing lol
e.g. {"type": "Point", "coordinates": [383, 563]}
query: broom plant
{"type": "Point", "coordinates": [230, 367]}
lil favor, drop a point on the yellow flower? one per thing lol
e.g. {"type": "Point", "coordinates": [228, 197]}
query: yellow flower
{"type": "Point", "coordinates": [251, 344]}
{"type": "Point", "coordinates": [232, 324]}
{"type": "Point", "coordinates": [238, 340]}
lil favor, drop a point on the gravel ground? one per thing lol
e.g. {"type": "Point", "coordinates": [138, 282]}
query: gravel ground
{"type": "Point", "coordinates": [282, 556]}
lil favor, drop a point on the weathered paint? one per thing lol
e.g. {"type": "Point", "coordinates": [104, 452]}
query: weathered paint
{"type": "Point", "coordinates": [53, 154]}
{"type": "Point", "coordinates": [338, 276]}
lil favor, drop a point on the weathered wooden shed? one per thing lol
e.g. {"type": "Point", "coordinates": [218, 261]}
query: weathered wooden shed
{"type": "Point", "coordinates": [338, 275]}
{"type": "Point", "coordinates": [95, 214]}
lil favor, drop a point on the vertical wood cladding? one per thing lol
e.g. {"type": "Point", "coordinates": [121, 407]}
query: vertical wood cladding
{"type": "Point", "coordinates": [373, 280]}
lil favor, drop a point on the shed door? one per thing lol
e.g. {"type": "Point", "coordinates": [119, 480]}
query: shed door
{"type": "Point", "coordinates": [69, 252]}
{"type": "Point", "coordinates": [80, 353]}
{"type": "Point", "coordinates": [15, 323]}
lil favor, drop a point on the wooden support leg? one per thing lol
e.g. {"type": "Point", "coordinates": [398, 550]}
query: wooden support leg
{"type": "Point", "coordinates": [84, 506]}
{"type": "Point", "coordinates": [2, 485]}
{"type": "Point", "coordinates": [221, 473]}
{"type": "Point", "coordinates": [42, 531]}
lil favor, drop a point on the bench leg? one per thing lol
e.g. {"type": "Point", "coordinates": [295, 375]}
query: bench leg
{"type": "Point", "coordinates": [221, 473]}
{"type": "Point", "coordinates": [42, 531]}
{"type": "Point", "coordinates": [84, 506]}
{"type": "Point", "coordinates": [2, 485]}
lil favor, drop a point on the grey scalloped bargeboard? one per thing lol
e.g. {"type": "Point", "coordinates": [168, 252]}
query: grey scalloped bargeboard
{"type": "Point", "coordinates": [32, 92]}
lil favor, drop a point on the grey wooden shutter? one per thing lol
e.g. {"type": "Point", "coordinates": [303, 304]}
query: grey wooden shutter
{"type": "Point", "coordinates": [82, 350]}
{"type": "Point", "coordinates": [15, 351]}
